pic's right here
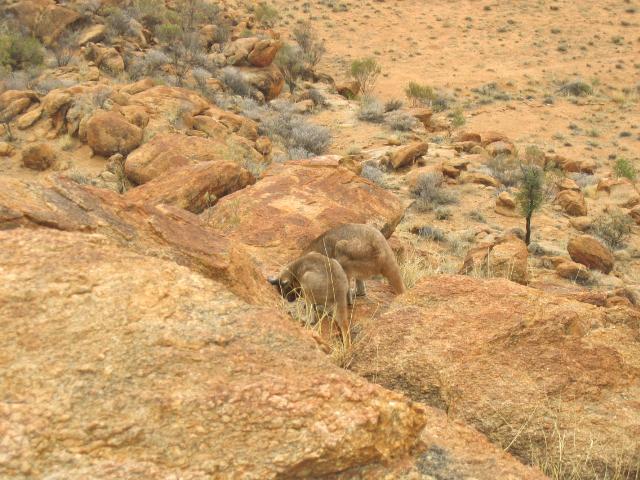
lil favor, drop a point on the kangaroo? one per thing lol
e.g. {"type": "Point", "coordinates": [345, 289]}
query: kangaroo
{"type": "Point", "coordinates": [363, 252]}
{"type": "Point", "coordinates": [321, 281]}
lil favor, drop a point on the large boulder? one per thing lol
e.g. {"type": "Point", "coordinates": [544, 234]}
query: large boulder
{"type": "Point", "coordinates": [263, 52]}
{"type": "Point", "coordinates": [269, 81]}
{"type": "Point", "coordinates": [507, 258]}
{"type": "Point", "coordinates": [193, 187]}
{"type": "Point", "coordinates": [162, 231]}
{"type": "Point", "coordinates": [293, 203]}
{"type": "Point", "coordinates": [591, 253]}
{"type": "Point", "coordinates": [572, 202]}
{"type": "Point", "coordinates": [169, 151]}
{"type": "Point", "coordinates": [529, 369]}
{"type": "Point", "coordinates": [109, 133]}
{"type": "Point", "coordinates": [118, 365]}
{"type": "Point", "coordinates": [39, 156]}
{"type": "Point", "coordinates": [406, 156]}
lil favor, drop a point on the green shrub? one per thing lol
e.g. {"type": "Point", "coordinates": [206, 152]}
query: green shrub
{"type": "Point", "coordinates": [289, 59]}
{"type": "Point", "coordinates": [266, 14]}
{"type": "Point", "coordinates": [19, 52]}
{"type": "Point", "coordinates": [366, 72]}
{"type": "Point", "coordinates": [311, 44]}
{"type": "Point", "coordinates": [530, 196]}
{"type": "Point", "coordinates": [624, 168]}
{"type": "Point", "coordinates": [419, 94]}
{"type": "Point", "coordinates": [613, 228]}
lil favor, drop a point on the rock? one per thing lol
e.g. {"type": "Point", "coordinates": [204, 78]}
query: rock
{"type": "Point", "coordinates": [517, 364]}
{"type": "Point", "coordinates": [110, 132]}
{"type": "Point", "coordinates": [481, 179]}
{"type": "Point", "coordinates": [139, 86]}
{"type": "Point", "coordinates": [349, 89]}
{"type": "Point", "coordinates": [160, 231]}
{"type": "Point", "coordinates": [168, 151]}
{"type": "Point", "coordinates": [136, 115]}
{"type": "Point", "coordinates": [29, 118]}
{"type": "Point", "coordinates": [500, 148]}
{"type": "Point", "coordinates": [263, 52]}
{"type": "Point", "coordinates": [177, 377]}
{"type": "Point", "coordinates": [243, 126]}
{"type": "Point", "coordinates": [423, 115]}
{"type": "Point", "coordinates": [567, 184]}
{"type": "Point", "coordinates": [303, 106]}
{"type": "Point", "coordinates": [581, 224]}
{"type": "Point", "coordinates": [39, 156]}
{"type": "Point", "coordinates": [590, 252]}
{"type": "Point", "coordinates": [14, 108]}
{"type": "Point", "coordinates": [407, 155]}
{"type": "Point", "coordinates": [294, 203]}
{"type": "Point", "coordinates": [269, 80]}
{"type": "Point", "coordinates": [193, 187]}
{"type": "Point", "coordinates": [573, 271]}
{"type": "Point", "coordinates": [468, 137]}
{"type": "Point", "coordinates": [572, 202]}
{"type": "Point", "coordinates": [91, 34]}
{"type": "Point", "coordinates": [55, 100]}
{"type": "Point", "coordinates": [58, 19]}
{"type": "Point", "coordinates": [492, 137]}
{"type": "Point", "coordinates": [238, 50]}
{"type": "Point", "coordinates": [263, 145]}
{"type": "Point", "coordinates": [506, 205]}
{"type": "Point", "coordinates": [107, 58]}
{"type": "Point", "coordinates": [635, 214]}
{"type": "Point", "coordinates": [621, 192]}
{"type": "Point", "coordinates": [507, 258]}
{"type": "Point", "coordinates": [450, 171]}
{"type": "Point", "coordinates": [577, 166]}
{"type": "Point", "coordinates": [6, 149]}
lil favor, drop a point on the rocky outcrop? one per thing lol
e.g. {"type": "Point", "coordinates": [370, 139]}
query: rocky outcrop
{"type": "Point", "coordinates": [193, 187]}
{"type": "Point", "coordinates": [109, 133]}
{"type": "Point", "coordinates": [506, 258]}
{"type": "Point", "coordinates": [39, 156]}
{"type": "Point", "coordinates": [572, 202]}
{"type": "Point", "coordinates": [163, 231]}
{"type": "Point", "coordinates": [591, 253]}
{"type": "Point", "coordinates": [293, 203]}
{"type": "Point", "coordinates": [528, 369]}
{"type": "Point", "coordinates": [406, 156]}
{"type": "Point", "coordinates": [168, 151]}
{"type": "Point", "coordinates": [506, 205]}
{"type": "Point", "coordinates": [115, 363]}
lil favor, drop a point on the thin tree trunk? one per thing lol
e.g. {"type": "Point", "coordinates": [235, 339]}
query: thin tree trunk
{"type": "Point", "coordinates": [527, 237]}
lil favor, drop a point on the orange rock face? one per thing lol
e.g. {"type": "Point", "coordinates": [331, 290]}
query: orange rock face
{"type": "Point", "coordinates": [150, 368]}
{"type": "Point", "coordinates": [522, 366]}
{"type": "Point", "coordinates": [590, 252]}
{"type": "Point", "coordinates": [293, 203]}
{"type": "Point", "coordinates": [193, 187]}
{"type": "Point", "coordinates": [110, 132]}
{"type": "Point", "coordinates": [162, 231]}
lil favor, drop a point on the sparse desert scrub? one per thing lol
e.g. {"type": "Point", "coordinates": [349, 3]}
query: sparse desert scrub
{"type": "Point", "coordinates": [613, 228]}
{"type": "Point", "coordinates": [366, 72]}
{"type": "Point", "coordinates": [289, 59]}
{"type": "Point", "coordinates": [371, 110]}
{"type": "Point", "coordinates": [624, 168]}
{"type": "Point", "coordinates": [373, 173]}
{"type": "Point", "coordinates": [401, 121]}
{"type": "Point", "coordinates": [301, 138]}
{"type": "Point", "coordinates": [430, 193]}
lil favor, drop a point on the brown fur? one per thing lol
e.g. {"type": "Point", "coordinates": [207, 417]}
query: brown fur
{"type": "Point", "coordinates": [362, 251]}
{"type": "Point", "coordinates": [321, 281]}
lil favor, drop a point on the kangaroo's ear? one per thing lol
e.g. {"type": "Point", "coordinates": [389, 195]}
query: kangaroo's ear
{"type": "Point", "coordinates": [273, 281]}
